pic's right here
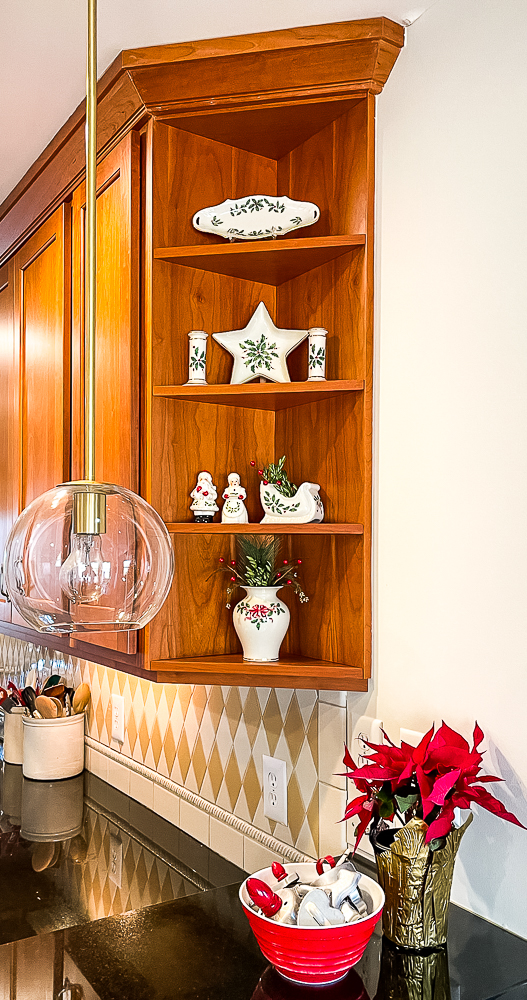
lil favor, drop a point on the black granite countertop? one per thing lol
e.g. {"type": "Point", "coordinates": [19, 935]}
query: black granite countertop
{"type": "Point", "coordinates": [131, 908]}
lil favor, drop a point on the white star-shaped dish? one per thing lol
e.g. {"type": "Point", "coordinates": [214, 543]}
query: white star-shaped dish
{"type": "Point", "coordinates": [260, 349]}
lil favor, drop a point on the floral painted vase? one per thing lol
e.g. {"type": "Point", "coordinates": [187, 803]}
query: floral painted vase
{"type": "Point", "coordinates": [261, 621]}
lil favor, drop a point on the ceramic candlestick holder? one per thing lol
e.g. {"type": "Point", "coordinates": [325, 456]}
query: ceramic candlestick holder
{"type": "Point", "coordinates": [317, 354]}
{"type": "Point", "coordinates": [197, 357]}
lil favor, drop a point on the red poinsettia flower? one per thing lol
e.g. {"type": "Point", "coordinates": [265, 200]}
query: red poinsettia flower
{"type": "Point", "coordinates": [428, 781]}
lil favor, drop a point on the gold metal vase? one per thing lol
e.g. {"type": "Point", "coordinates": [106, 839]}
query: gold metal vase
{"type": "Point", "coordinates": [417, 884]}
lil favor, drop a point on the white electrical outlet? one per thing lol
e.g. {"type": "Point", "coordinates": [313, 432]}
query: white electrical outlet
{"type": "Point", "coordinates": [410, 736]}
{"type": "Point", "coordinates": [118, 718]}
{"type": "Point", "coordinates": [115, 873]}
{"type": "Point", "coordinates": [365, 728]}
{"type": "Point", "coordinates": [275, 789]}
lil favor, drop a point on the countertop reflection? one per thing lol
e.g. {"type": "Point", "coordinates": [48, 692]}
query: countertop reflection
{"type": "Point", "coordinates": [100, 899]}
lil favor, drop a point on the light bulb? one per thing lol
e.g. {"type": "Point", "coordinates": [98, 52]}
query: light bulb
{"type": "Point", "coordinates": [85, 575]}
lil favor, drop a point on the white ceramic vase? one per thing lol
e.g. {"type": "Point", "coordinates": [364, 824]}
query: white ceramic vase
{"type": "Point", "coordinates": [261, 621]}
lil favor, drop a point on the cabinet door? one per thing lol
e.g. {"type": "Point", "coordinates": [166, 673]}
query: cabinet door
{"type": "Point", "coordinates": [42, 323]}
{"type": "Point", "coordinates": [117, 336]}
{"type": "Point", "coordinates": [8, 418]}
{"type": "Point", "coordinates": [42, 271]}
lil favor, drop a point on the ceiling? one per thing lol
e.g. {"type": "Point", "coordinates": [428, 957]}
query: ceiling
{"type": "Point", "coordinates": [42, 51]}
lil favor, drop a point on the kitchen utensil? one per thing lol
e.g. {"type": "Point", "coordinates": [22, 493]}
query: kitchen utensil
{"type": "Point", "coordinates": [347, 887]}
{"type": "Point", "coordinates": [52, 681]}
{"type": "Point", "coordinates": [28, 698]}
{"type": "Point", "coordinates": [9, 704]}
{"type": "Point", "coordinates": [81, 698]}
{"type": "Point", "coordinates": [313, 956]}
{"type": "Point", "coordinates": [58, 705]}
{"type": "Point", "coordinates": [316, 910]}
{"type": "Point", "coordinates": [57, 691]}
{"type": "Point", "coordinates": [42, 856]}
{"type": "Point", "coordinates": [263, 896]}
{"type": "Point", "coordinates": [46, 707]}
{"type": "Point", "coordinates": [15, 693]}
{"type": "Point", "coordinates": [287, 914]}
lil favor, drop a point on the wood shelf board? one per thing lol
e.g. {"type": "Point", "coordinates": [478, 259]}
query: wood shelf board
{"type": "Point", "coordinates": [259, 395]}
{"type": "Point", "coordinates": [269, 262]}
{"type": "Point", "coordinates": [191, 528]}
{"type": "Point", "coordinates": [293, 672]}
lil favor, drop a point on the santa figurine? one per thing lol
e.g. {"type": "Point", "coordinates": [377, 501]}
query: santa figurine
{"type": "Point", "coordinates": [204, 495]}
{"type": "Point", "coordinates": [234, 510]}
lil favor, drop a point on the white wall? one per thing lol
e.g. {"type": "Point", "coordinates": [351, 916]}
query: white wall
{"type": "Point", "coordinates": [451, 464]}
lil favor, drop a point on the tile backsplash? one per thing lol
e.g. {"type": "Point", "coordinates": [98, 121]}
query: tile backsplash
{"type": "Point", "coordinates": [210, 740]}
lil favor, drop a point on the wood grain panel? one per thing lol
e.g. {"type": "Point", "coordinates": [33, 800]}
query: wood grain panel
{"type": "Point", "coordinates": [42, 292]}
{"type": "Point", "coordinates": [190, 299]}
{"type": "Point", "coordinates": [117, 336]}
{"type": "Point", "coordinates": [194, 615]}
{"type": "Point", "coordinates": [333, 297]}
{"type": "Point", "coordinates": [323, 444]}
{"type": "Point", "coordinates": [331, 624]}
{"type": "Point", "coordinates": [218, 172]}
{"type": "Point", "coordinates": [221, 439]}
{"type": "Point", "coordinates": [8, 417]}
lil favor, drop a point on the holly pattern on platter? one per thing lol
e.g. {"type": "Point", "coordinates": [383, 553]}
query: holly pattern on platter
{"type": "Point", "coordinates": [259, 614]}
{"type": "Point", "coordinates": [258, 354]}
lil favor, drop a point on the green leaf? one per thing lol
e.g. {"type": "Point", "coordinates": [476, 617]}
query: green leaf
{"type": "Point", "coordinates": [404, 803]}
{"type": "Point", "coordinates": [438, 844]}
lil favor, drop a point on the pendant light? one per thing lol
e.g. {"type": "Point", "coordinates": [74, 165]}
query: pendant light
{"type": "Point", "coordinates": [89, 556]}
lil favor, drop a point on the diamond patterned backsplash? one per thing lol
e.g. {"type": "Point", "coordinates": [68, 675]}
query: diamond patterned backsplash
{"type": "Point", "coordinates": [211, 739]}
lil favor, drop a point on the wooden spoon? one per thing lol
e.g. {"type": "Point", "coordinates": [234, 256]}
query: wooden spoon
{"type": "Point", "coordinates": [81, 698]}
{"type": "Point", "coordinates": [46, 707]}
{"type": "Point", "coordinates": [42, 856]}
{"type": "Point", "coordinates": [60, 710]}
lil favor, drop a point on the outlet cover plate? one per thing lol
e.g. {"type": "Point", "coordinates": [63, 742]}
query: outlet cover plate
{"type": "Point", "coordinates": [118, 718]}
{"type": "Point", "coordinates": [370, 729]}
{"type": "Point", "coordinates": [115, 873]}
{"type": "Point", "coordinates": [275, 788]}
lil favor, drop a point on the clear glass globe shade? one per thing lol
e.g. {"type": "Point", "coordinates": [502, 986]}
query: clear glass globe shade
{"type": "Point", "coordinates": [63, 579]}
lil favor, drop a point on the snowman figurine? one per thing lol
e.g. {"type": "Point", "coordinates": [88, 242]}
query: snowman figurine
{"type": "Point", "coordinates": [234, 510]}
{"type": "Point", "coordinates": [204, 495]}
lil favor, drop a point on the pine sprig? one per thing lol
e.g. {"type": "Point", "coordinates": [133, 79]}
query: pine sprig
{"type": "Point", "coordinates": [277, 475]}
{"type": "Point", "coordinates": [257, 566]}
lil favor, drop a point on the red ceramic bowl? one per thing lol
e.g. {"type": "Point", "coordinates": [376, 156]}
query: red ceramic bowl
{"type": "Point", "coordinates": [312, 956]}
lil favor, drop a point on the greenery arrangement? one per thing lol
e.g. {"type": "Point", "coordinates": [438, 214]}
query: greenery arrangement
{"type": "Point", "coordinates": [427, 782]}
{"type": "Point", "coordinates": [277, 476]}
{"type": "Point", "coordinates": [257, 565]}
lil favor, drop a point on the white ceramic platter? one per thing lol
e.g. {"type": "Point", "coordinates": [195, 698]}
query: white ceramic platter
{"type": "Point", "coordinates": [256, 217]}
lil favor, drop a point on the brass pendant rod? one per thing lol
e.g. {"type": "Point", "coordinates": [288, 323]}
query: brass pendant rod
{"type": "Point", "coordinates": [90, 268]}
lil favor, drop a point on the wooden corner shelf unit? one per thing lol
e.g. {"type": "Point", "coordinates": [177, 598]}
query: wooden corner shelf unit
{"type": "Point", "coordinates": [282, 113]}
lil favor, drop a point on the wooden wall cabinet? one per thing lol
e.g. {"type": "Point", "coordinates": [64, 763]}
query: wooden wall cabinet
{"type": "Point", "coordinates": [288, 113]}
